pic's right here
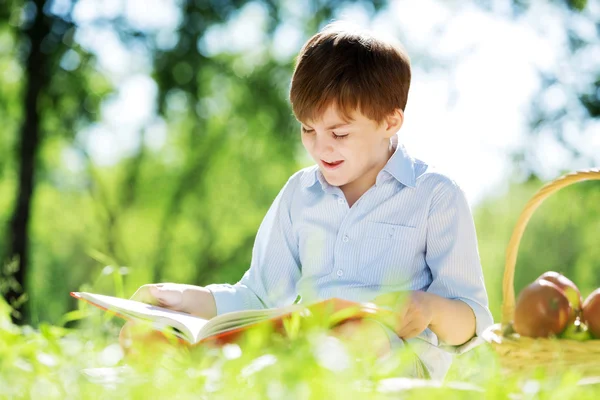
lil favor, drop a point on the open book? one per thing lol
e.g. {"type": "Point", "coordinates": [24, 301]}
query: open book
{"type": "Point", "coordinates": [193, 329]}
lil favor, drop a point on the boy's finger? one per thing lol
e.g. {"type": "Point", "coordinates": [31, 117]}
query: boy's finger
{"type": "Point", "coordinates": [143, 294]}
{"type": "Point", "coordinates": [403, 315]}
{"type": "Point", "coordinates": [407, 331]}
{"type": "Point", "coordinates": [168, 295]}
{"type": "Point", "coordinates": [125, 335]}
{"type": "Point", "coordinates": [404, 320]}
{"type": "Point", "coordinates": [158, 294]}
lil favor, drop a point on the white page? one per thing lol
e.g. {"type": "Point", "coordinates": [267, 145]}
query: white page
{"type": "Point", "coordinates": [228, 325]}
{"type": "Point", "coordinates": [193, 329]}
{"type": "Point", "coordinates": [225, 325]}
{"type": "Point", "coordinates": [237, 319]}
{"type": "Point", "coordinates": [188, 324]}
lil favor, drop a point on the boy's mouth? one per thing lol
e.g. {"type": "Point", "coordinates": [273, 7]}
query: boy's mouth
{"type": "Point", "coordinates": [332, 165]}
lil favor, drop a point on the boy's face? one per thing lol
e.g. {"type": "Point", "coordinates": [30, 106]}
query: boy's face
{"type": "Point", "coordinates": [350, 154]}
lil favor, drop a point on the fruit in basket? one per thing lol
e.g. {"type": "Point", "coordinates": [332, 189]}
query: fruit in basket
{"type": "Point", "coordinates": [570, 289]}
{"type": "Point", "coordinates": [591, 313]}
{"type": "Point", "coordinates": [542, 310]}
{"type": "Point", "coordinates": [577, 331]}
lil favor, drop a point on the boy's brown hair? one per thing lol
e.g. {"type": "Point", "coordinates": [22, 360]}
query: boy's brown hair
{"type": "Point", "coordinates": [351, 69]}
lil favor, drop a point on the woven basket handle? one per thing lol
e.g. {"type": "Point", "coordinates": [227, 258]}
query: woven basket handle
{"type": "Point", "coordinates": [508, 287]}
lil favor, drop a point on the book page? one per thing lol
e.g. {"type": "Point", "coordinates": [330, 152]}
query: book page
{"type": "Point", "coordinates": [194, 329]}
{"type": "Point", "coordinates": [237, 319]}
{"type": "Point", "coordinates": [335, 310]}
{"type": "Point", "coordinates": [189, 325]}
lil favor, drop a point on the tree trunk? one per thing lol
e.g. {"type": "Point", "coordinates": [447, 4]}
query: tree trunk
{"type": "Point", "coordinates": [36, 79]}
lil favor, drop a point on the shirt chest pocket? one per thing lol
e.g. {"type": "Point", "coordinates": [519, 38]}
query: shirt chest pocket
{"type": "Point", "coordinates": [388, 253]}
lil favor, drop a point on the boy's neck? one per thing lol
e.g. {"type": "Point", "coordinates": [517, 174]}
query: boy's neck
{"type": "Point", "coordinates": [355, 189]}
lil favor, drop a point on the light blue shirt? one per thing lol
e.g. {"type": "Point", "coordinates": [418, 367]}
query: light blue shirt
{"type": "Point", "coordinates": [412, 230]}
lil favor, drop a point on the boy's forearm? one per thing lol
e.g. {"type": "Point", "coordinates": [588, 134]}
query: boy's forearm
{"type": "Point", "coordinates": [200, 302]}
{"type": "Point", "coordinates": [453, 320]}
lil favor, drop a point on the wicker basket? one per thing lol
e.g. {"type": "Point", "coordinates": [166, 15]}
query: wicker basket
{"type": "Point", "coordinates": [524, 354]}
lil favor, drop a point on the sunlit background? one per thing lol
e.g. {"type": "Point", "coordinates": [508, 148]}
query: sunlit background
{"type": "Point", "coordinates": [478, 76]}
{"type": "Point", "coordinates": [165, 131]}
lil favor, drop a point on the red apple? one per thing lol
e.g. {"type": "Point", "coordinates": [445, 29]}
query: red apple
{"type": "Point", "coordinates": [542, 310]}
{"type": "Point", "coordinates": [570, 289]}
{"type": "Point", "coordinates": [591, 313]}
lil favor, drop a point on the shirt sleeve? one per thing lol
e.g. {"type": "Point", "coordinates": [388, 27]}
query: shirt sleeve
{"type": "Point", "coordinates": [275, 267]}
{"type": "Point", "coordinates": [453, 257]}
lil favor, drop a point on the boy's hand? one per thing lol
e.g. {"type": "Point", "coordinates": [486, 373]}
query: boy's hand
{"type": "Point", "coordinates": [452, 320]}
{"type": "Point", "coordinates": [414, 311]}
{"type": "Point", "coordinates": [190, 299]}
{"type": "Point", "coordinates": [137, 339]}
{"type": "Point", "coordinates": [415, 315]}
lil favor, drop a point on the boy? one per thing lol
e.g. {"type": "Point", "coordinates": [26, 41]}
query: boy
{"type": "Point", "coordinates": [368, 222]}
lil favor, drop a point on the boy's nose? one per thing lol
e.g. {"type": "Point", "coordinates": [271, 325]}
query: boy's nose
{"type": "Point", "coordinates": [323, 145]}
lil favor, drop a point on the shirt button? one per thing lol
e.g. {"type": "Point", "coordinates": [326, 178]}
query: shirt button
{"type": "Point", "coordinates": [340, 272]}
{"type": "Point", "coordinates": [346, 238]}
{"type": "Point", "coordinates": [341, 201]}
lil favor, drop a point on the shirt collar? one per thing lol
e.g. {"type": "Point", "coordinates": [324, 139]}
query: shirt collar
{"type": "Point", "coordinates": [400, 166]}
{"type": "Point", "coordinates": [314, 175]}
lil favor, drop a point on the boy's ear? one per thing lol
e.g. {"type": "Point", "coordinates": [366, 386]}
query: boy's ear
{"type": "Point", "coordinates": [393, 122]}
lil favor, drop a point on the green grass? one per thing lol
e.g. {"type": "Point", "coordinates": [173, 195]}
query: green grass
{"type": "Point", "coordinates": [56, 362]}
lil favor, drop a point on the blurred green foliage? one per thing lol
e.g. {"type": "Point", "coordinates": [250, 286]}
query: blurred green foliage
{"type": "Point", "coordinates": [59, 363]}
{"type": "Point", "coordinates": [189, 211]}
{"type": "Point", "coordinates": [186, 212]}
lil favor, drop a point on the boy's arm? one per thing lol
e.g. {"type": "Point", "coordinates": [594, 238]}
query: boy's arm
{"type": "Point", "coordinates": [270, 281]}
{"type": "Point", "coordinates": [453, 258]}
{"type": "Point", "coordinates": [455, 306]}
{"type": "Point", "coordinates": [275, 267]}
{"type": "Point", "coordinates": [453, 321]}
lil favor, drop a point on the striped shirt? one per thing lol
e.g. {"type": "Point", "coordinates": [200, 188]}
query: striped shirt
{"type": "Point", "coordinates": [412, 230]}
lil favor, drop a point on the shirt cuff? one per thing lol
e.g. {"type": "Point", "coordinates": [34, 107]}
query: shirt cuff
{"type": "Point", "coordinates": [463, 348]}
{"type": "Point", "coordinates": [229, 298]}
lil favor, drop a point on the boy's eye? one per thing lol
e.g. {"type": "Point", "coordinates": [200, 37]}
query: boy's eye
{"type": "Point", "coordinates": [309, 131]}
{"type": "Point", "coordinates": [339, 136]}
